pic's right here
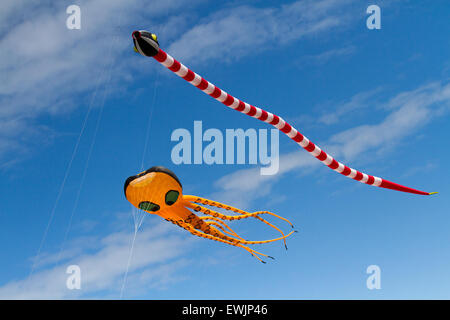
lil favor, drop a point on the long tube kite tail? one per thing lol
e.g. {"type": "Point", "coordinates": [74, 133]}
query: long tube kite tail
{"type": "Point", "coordinates": [147, 44]}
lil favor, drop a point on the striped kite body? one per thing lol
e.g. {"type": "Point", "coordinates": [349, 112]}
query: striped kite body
{"type": "Point", "coordinates": [234, 103]}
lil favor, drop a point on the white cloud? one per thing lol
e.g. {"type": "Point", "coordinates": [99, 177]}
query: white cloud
{"type": "Point", "coordinates": [157, 255]}
{"type": "Point", "coordinates": [358, 101]}
{"type": "Point", "coordinates": [232, 33]}
{"type": "Point", "coordinates": [324, 57]}
{"type": "Point", "coordinates": [46, 68]}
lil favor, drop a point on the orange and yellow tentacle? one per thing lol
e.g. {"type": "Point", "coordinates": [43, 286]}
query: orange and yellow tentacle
{"type": "Point", "coordinates": [242, 214]}
{"type": "Point", "coordinates": [212, 223]}
{"type": "Point", "coordinates": [213, 213]}
{"type": "Point", "coordinates": [235, 243]}
{"type": "Point", "coordinates": [223, 224]}
{"type": "Point", "coordinates": [235, 234]}
{"type": "Point", "coordinates": [273, 226]}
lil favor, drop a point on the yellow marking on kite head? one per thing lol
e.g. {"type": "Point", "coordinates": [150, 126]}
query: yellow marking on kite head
{"type": "Point", "coordinates": [135, 50]}
{"type": "Point", "coordinates": [431, 193]}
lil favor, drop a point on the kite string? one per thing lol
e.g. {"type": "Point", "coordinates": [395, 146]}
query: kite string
{"type": "Point", "coordinates": [128, 263]}
{"type": "Point", "coordinates": [149, 123]}
{"type": "Point", "coordinates": [91, 148]}
{"type": "Point", "coordinates": [138, 222]}
{"type": "Point", "coordinates": [147, 139]}
{"type": "Point", "coordinates": [66, 174]}
{"type": "Point", "coordinates": [86, 166]}
{"type": "Point", "coordinates": [135, 213]}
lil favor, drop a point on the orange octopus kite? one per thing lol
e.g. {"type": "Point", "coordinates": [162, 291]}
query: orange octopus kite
{"type": "Point", "coordinates": [158, 191]}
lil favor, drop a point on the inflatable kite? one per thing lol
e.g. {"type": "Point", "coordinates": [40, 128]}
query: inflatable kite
{"type": "Point", "coordinates": [158, 191]}
{"type": "Point", "coordinates": [146, 44]}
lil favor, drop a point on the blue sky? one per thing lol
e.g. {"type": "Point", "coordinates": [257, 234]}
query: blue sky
{"type": "Point", "coordinates": [378, 100]}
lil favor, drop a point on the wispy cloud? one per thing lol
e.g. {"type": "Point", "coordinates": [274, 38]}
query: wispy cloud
{"type": "Point", "coordinates": [361, 100]}
{"type": "Point", "coordinates": [328, 55]}
{"type": "Point", "coordinates": [48, 69]}
{"type": "Point", "coordinates": [407, 112]}
{"type": "Point", "coordinates": [233, 33]}
{"type": "Point", "coordinates": [158, 253]}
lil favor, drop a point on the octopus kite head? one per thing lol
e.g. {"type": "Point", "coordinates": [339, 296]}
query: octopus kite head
{"type": "Point", "coordinates": [154, 190]}
{"type": "Point", "coordinates": [145, 43]}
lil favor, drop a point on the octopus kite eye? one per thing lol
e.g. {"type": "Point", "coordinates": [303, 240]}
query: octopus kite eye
{"type": "Point", "coordinates": [148, 206]}
{"type": "Point", "coordinates": [171, 197]}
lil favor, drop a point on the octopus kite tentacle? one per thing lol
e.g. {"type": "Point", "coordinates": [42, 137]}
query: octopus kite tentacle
{"type": "Point", "coordinates": [256, 215]}
{"type": "Point", "coordinates": [222, 225]}
{"type": "Point", "coordinates": [235, 234]}
{"type": "Point", "coordinates": [231, 218]}
{"type": "Point", "coordinates": [242, 213]}
{"type": "Point", "coordinates": [200, 234]}
{"type": "Point", "coordinates": [147, 44]}
{"type": "Point", "coordinates": [212, 223]}
{"type": "Point", "coordinates": [273, 226]}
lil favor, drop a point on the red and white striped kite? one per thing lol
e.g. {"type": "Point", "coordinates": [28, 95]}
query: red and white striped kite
{"type": "Point", "coordinates": [146, 43]}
